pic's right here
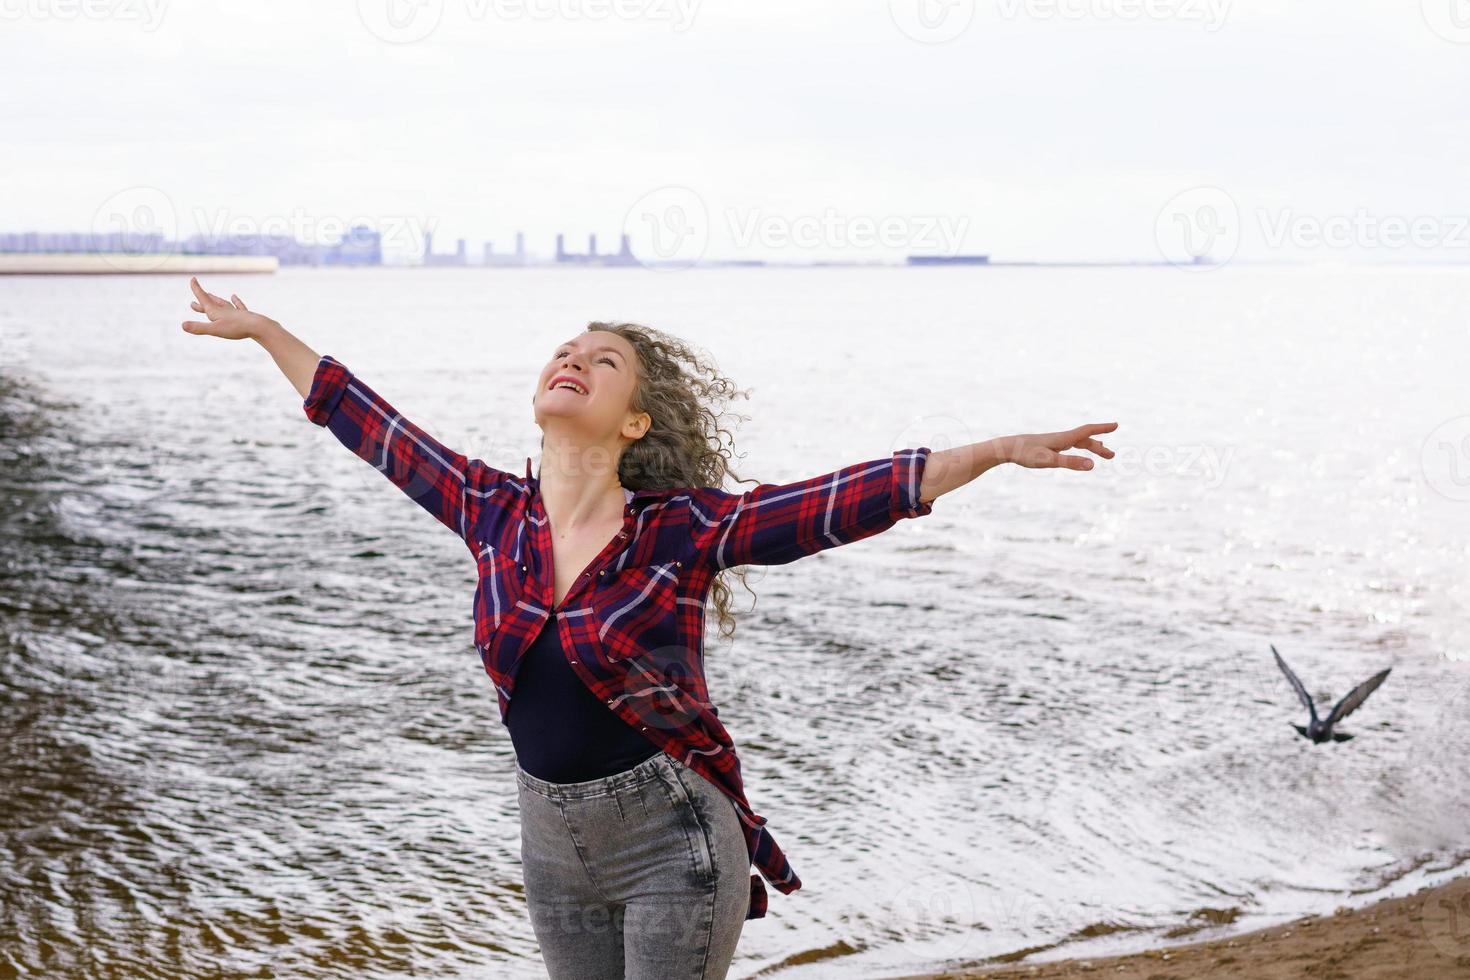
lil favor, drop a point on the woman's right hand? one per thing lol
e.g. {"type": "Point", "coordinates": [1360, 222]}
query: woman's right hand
{"type": "Point", "coordinates": [231, 320]}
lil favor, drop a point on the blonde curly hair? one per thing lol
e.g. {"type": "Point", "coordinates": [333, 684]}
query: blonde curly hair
{"type": "Point", "coordinates": [679, 386]}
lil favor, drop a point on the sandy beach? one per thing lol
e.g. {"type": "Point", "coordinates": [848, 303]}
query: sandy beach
{"type": "Point", "coordinates": [1423, 936]}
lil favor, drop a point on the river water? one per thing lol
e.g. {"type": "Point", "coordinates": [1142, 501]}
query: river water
{"type": "Point", "coordinates": [246, 732]}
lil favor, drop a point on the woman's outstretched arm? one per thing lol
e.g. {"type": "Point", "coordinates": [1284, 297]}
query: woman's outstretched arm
{"type": "Point", "coordinates": [452, 487]}
{"type": "Point", "coordinates": [774, 524]}
{"type": "Point", "coordinates": [777, 523]}
{"type": "Point", "coordinates": [232, 321]}
{"type": "Point", "coordinates": [950, 469]}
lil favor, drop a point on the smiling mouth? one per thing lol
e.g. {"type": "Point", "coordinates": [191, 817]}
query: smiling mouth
{"type": "Point", "coordinates": [572, 385]}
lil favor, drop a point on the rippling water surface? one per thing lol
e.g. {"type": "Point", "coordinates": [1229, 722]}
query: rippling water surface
{"type": "Point", "coordinates": [246, 732]}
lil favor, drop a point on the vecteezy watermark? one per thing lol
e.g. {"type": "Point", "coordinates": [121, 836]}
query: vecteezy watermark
{"type": "Point", "coordinates": [932, 21]}
{"type": "Point", "coordinates": [824, 680]}
{"type": "Point", "coordinates": [136, 229]}
{"type": "Point", "coordinates": [937, 903]}
{"type": "Point", "coordinates": [668, 228]}
{"type": "Point", "coordinates": [671, 228]}
{"type": "Point", "coordinates": [834, 230]}
{"type": "Point", "coordinates": [657, 681]}
{"type": "Point", "coordinates": [407, 21]}
{"type": "Point", "coordinates": [393, 232]}
{"type": "Point", "coordinates": [935, 433]}
{"type": "Point", "coordinates": [400, 21]}
{"type": "Point", "coordinates": [1445, 458]}
{"type": "Point", "coordinates": [668, 925]}
{"type": "Point", "coordinates": [1203, 228]}
{"type": "Point", "coordinates": [148, 14]}
{"type": "Point", "coordinates": [938, 21]}
{"type": "Point", "coordinates": [1198, 228]}
{"type": "Point", "coordinates": [677, 13]}
{"type": "Point", "coordinates": [421, 476]}
{"type": "Point", "coordinates": [1361, 229]}
{"type": "Point", "coordinates": [1206, 462]}
{"type": "Point", "coordinates": [1210, 13]}
{"type": "Point", "coordinates": [1444, 920]}
{"type": "Point", "coordinates": [1450, 19]}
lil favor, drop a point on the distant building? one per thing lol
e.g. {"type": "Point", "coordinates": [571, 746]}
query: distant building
{"type": "Point", "coordinates": [458, 257]}
{"type": "Point", "coordinates": [949, 260]}
{"type": "Point", "coordinates": [505, 258]}
{"type": "Point", "coordinates": [623, 257]}
{"type": "Point", "coordinates": [33, 242]}
{"type": "Point", "coordinates": [360, 246]}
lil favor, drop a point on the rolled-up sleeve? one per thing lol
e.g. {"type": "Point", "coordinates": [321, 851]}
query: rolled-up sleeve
{"type": "Point", "coordinates": [773, 524]}
{"type": "Point", "coordinates": [908, 475]}
{"type": "Point", "coordinates": [452, 487]}
{"type": "Point", "coordinates": [328, 386]}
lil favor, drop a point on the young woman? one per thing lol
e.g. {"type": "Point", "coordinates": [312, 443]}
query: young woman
{"type": "Point", "coordinates": [593, 579]}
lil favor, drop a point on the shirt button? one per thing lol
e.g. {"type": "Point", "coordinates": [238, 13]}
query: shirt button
{"type": "Point", "coordinates": [523, 568]}
{"type": "Point", "coordinates": [678, 564]}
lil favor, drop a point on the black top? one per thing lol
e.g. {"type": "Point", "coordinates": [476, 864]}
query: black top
{"type": "Point", "coordinates": [561, 731]}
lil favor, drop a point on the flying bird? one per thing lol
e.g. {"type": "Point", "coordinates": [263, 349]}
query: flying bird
{"type": "Point", "coordinates": [1320, 729]}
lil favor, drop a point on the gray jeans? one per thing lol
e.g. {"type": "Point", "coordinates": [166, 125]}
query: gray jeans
{"type": "Point", "coordinates": [641, 875]}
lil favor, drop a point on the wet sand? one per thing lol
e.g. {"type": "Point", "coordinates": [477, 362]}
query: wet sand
{"type": "Point", "coordinates": [1424, 936]}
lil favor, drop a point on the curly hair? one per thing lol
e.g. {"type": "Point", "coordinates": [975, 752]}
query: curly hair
{"type": "Point", "coordinates": [683, 392]}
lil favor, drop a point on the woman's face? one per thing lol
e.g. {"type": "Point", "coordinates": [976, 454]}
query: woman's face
{"type": "Point", "coordinates": [603, 366]}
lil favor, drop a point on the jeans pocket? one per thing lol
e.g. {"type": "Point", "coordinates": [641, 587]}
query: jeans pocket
{"type": "Point", "coordinates": [689, 807]}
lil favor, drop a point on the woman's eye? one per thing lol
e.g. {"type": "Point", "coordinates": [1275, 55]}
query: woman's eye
{"type": "Point", "coordinates": [600, 360]}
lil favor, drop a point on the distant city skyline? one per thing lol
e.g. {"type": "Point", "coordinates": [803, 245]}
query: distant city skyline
{"type": "Point", "coordinates": [362, 245]}
{"type": "Point", "coordinates": [359, 246]}
{"type": "Point", "coordinates": [1313, 131]}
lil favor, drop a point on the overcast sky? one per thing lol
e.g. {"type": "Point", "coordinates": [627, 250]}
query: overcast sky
{"type": "Point", "coordinates": [1026, 129]}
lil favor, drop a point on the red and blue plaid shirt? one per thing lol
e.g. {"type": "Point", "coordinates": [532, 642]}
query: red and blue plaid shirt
{"type": "Point", "coordinates": [634, 619]}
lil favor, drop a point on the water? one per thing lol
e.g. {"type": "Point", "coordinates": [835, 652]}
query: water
{"type": "Point", "coordinates": [247, 733]}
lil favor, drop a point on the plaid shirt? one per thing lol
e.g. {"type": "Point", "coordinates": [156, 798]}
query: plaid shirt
{"type": "Point", "coordinates": [634, 619]}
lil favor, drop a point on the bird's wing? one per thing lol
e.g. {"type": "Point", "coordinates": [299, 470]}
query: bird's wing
{"type": "Point", "coordinates": [1356, 697]}
{"type": "Point", "coordinates": [1301, 692]}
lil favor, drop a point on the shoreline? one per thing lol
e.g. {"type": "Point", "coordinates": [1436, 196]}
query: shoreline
{"type": "Point", "coordinates": [1421, 936]}
{"type": "Point", "coordinates": [130, 264]}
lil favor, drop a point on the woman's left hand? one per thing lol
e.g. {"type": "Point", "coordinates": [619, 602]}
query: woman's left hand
{"type": "Point", "coordinates": [1042, 450]}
